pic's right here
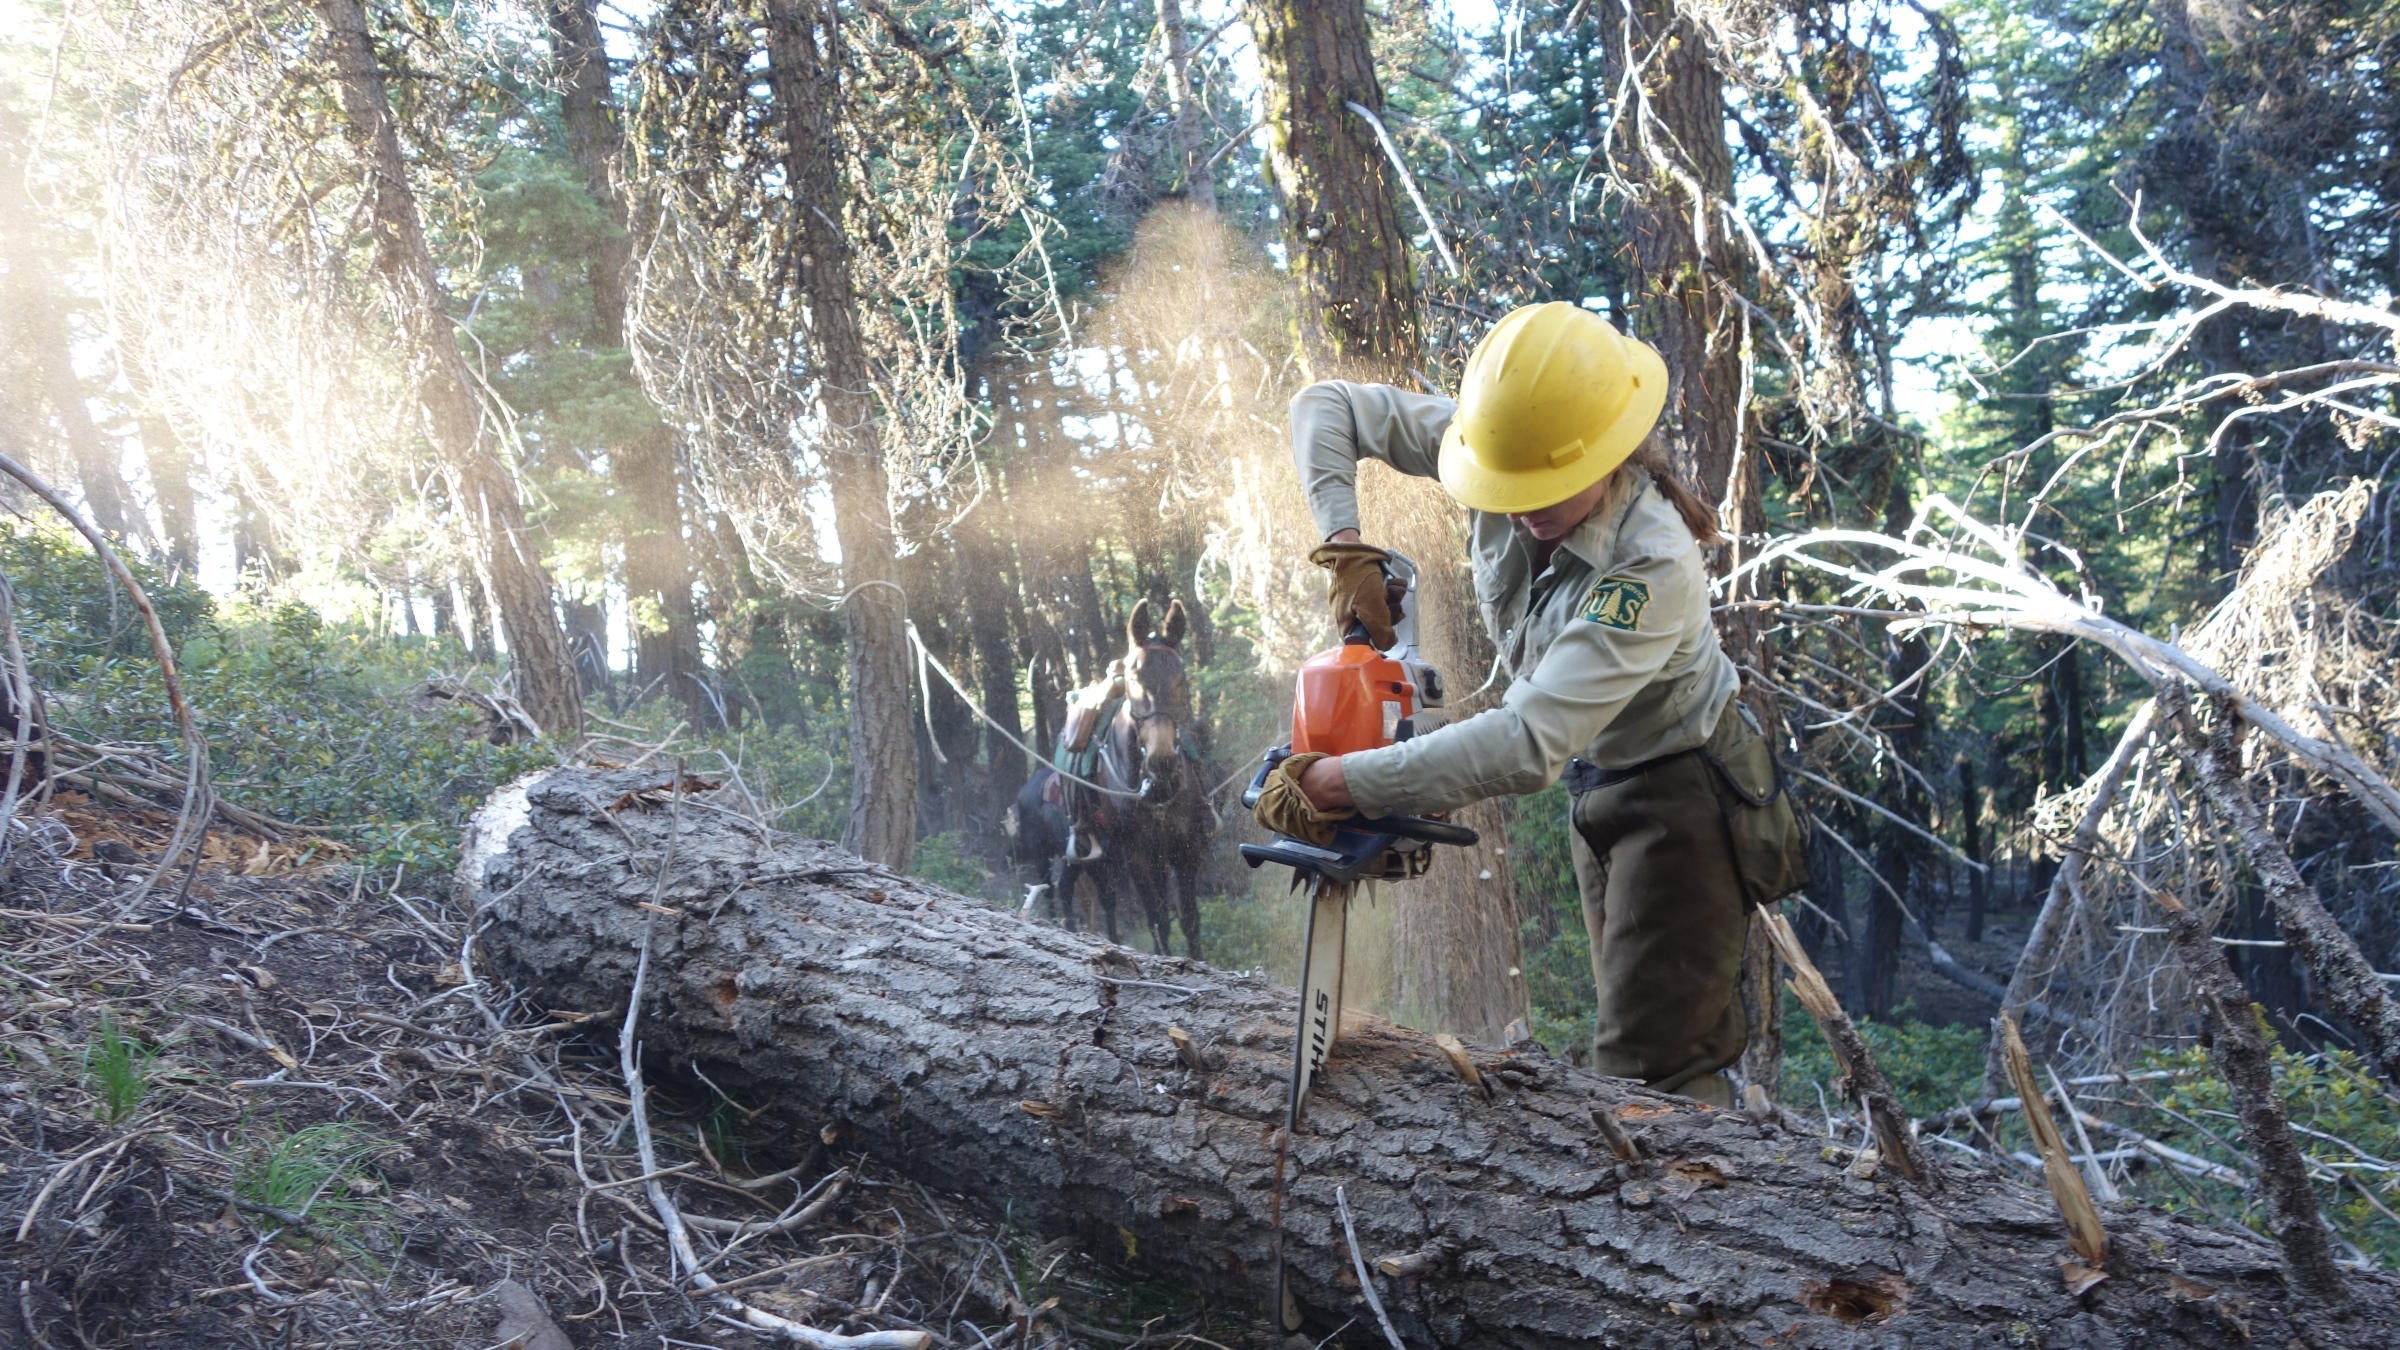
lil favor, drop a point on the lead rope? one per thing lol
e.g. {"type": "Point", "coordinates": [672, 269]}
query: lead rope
{"type": "Point", "coordinates": [926, 658]}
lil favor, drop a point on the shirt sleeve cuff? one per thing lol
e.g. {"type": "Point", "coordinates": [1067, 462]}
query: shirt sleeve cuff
{"type": "Point", "coordinates": [1373, 779]}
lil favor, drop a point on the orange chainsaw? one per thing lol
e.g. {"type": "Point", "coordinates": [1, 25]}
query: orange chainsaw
{"type": "Point", "coordinates": [1353, 697]}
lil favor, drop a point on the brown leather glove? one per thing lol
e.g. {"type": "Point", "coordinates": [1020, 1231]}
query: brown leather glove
{"type": "Point", "coordinates": [1358, 589]}
{"type": "Point", "coordinates": [1285, 809]}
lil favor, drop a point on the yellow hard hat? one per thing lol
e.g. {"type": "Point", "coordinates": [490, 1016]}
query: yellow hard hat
{"type": "Point", "coordinates": [1553, 399]}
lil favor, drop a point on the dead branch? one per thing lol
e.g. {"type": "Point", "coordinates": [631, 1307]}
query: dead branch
{"type": "Point", "coordinates": [2067, 1189]}
{"type": "Point", "coordinates": [191, 818]}
{"type": "Point", "coordinates": [2065, 896]}
{"type": "Point", "coordinates": [2345, 978]}
{"type": "Point", "coordinates": [1862, 1078]}
{"type": "Point", "coordinates": [2239, 1049]}
{"type": "Point", "coordinates": [2008, 594]}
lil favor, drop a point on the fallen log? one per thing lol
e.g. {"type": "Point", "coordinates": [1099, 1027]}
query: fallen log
{"type": "Point", "coordinates": [1134, 1102]}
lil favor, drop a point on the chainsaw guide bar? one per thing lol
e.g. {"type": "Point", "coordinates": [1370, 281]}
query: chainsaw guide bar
{"type": "Point", "coordinates": [1349, 699]}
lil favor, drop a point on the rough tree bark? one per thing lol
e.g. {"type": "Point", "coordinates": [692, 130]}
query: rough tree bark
{"type": "Point", "coordinates": [804, 70]}
{"type": "Point", "coordinates": [2240, 1050]}
{"type": "Point", "coordinates": [1456, 958]}
{"type": "Point", "coordinates": [1033, 1069]}
{"type": "Point", "coordinates": [1191, 142]}
{"type": "Point", "coordinates": [1358, 292]}
{"type": "Point", "coordinates": [485, 497]}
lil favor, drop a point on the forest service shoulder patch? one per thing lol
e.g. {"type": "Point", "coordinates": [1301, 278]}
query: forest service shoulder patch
{"type": "Point", "coordinates": [1617, 602]}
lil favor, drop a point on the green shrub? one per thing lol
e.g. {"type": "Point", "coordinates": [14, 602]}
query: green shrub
{"type": "Point", "coordinates": [2344, 1120]}
{"type": "Point", "coordinates": [70, 611]}
{"type": "Point", "coordinates": [1558, 969]}
{"type": "Point", "coordinates": [306, 722]}
{"type": "Point", "coordinates": [1262, 928]}
{"type": "Point", "coordinates": [943, 860]}
{"type": "Point", "coordinates": [1931, 1067]}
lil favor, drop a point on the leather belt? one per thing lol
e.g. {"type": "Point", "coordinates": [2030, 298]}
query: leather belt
{"type": "Point", "coordinates": [1583, 776]}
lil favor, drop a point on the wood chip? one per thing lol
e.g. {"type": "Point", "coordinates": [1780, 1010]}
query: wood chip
{"type": "Point", "coordinates": [2078, 1276]}
{"type": "Point", "coordinates": [1185, 1048]}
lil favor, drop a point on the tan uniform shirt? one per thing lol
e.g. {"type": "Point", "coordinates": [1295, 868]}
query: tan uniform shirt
{"type": "Point", "coordinates": [1610, 650]}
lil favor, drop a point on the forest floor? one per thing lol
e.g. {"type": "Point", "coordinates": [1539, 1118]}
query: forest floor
{"type": "Point", "coordinates": [1922, 994]}
{"type": "Point", "coordinates": [289, 1112]}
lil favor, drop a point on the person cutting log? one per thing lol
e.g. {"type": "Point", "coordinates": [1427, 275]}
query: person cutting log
{"type": "Point", "coordinates": [1586, 554]}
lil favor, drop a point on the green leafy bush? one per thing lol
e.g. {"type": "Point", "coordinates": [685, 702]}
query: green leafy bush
{"type": "Point", "coordinates": [1931, 1067]}
{"type": "Point", "coordinates": [2345, 1121]}
{"type": "Point", "coordinates": [71, 612]}
{"type": "Point", "coordinates": [304, 721]}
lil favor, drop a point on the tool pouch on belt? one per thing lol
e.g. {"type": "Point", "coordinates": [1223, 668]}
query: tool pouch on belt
{"type": "Point", "coordinates": [1769, 853]}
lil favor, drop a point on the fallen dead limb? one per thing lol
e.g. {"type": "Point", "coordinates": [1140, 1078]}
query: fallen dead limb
{"type": "Point", "coordinates": [192, 810]}
{"type": "Point", "coordinates": [1862, 1079]}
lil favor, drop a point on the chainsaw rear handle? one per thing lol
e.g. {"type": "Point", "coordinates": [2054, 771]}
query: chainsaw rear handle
{"type": "Point", "coordinates": [1401, 827]}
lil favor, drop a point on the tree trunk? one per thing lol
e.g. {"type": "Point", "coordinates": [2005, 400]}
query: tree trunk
{"type": "Point", "coordinates": [1034, 1069]}
{"type": "Point", "coordinates": [482, 491]}
{"type": "Point", "coordinates": [987, 583]}
{"type": "Point", "coordinates": [1358, 291]}
{"type": "Point", "coordinates": [1457, 962]}
{"type": "Point", "coordinates": [1685, 268]}
{"type": "Point", "coordinates": [1970, 813]}
{"type": "Point", "coordinates": [803, 59]}
{"type": "Point", "coordinates": [658, 569]}
{"type": "Point", "coordinates": [1191, 142]}
{"type": "Point", "coordinates": [170, 462]}
{"type": "Point", "coordinates": [586, 626]}
{"type": "Point", "coordinates": [45, 331]}
{"type": "Point", "coordinates": [30, 296]}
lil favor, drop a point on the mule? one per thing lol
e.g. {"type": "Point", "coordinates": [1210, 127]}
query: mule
{"type": "Point", "coordinates": [1145, 835]}
{"type": "Point", "coordinates": [1039, 829]}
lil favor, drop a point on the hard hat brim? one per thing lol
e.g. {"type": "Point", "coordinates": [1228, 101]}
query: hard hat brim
{"type": "Point", "coordinates": [1466, 479]}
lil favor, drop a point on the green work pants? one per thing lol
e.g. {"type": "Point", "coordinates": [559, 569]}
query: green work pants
{"type": "Point", "coordinates": [1667, 918]}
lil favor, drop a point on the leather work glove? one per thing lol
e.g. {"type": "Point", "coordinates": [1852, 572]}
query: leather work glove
{"type": "Point", "coordinates": [1359, 590]}
{"type": "Point", "coordinates": [1285, 809]}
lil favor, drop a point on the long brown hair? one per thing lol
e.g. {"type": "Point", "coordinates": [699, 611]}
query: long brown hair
{"type": "Point", "coordinates": [1698, 516]}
